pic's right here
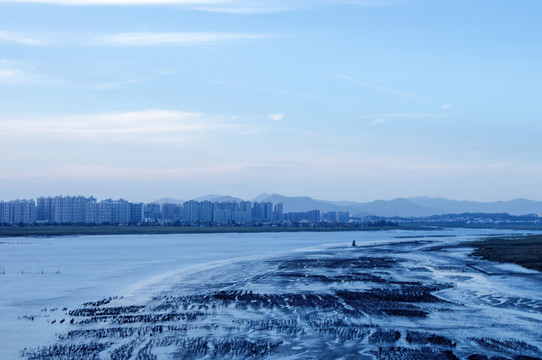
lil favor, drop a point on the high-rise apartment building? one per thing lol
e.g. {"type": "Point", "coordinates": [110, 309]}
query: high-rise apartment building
{"type": "Point", "coordinates": [45, 209]}
{"type": "Point", "coordinates": [171, 212]}
{"type": "Point", "coordinates": [137, 213]}
{"type": "Point", "coordinates": [191, 211]}
{"type": "Point", "coordinates": [63, 209]}
{"type": "Point", "coordinates": [206, 210]}
{"type": "Point", "coordinates": [222, 216]}
{"type": "Point", "coordinates": [278, 212]}
{"type": "Point", "coordinates": [152, 212]}
{"type": "Point", "coordinates": [343, 216]}
{"type": "Point", "coordinates": [92, 211]}
{"type": "Point", "coordinates": [18, 212]}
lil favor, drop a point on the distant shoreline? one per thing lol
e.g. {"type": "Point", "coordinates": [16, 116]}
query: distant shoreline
{"type": "Point", "coordinates": [82, 230]}
{"type": "Point", "coordinates": [48, 231]}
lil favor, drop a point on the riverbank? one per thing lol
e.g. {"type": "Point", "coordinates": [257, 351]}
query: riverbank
{"type": "Point", "coordinates": [522, 250]}
{"type": "Point", "coordinates": [85, 230]}
{"type": "Point", "coordinates": [46, 231]}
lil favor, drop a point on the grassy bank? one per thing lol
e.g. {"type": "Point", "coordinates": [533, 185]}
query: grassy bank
{"type": "Point", "coordinates": [524, 250]}
{"type": "Point", "coordinates": [11, 231]}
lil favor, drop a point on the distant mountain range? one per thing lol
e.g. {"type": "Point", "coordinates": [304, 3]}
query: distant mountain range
{"type": "Point", "coordinates": [403, 207]}
{"type": "Point", "coordinates": [397, 207]}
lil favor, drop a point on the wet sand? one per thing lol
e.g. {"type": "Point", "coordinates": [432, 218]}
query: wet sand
{"type": "Point", "coordinates": [418, 299]}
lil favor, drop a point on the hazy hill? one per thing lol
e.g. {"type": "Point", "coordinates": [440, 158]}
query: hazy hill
{"type": "Point", "coordinates": [412, 207]}
{"type": "Point", "coordinates": [512, 207]}
{"type": "Point", "coordinates": [168, 201]}
{"type": "Point", "coordinates": [300, 203]}
{"type": "Point", "coordinates": [218, 198]}
{"type": "Point", "coordinates": [396, 207]}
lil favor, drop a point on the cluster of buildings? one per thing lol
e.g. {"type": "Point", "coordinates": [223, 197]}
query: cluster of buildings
{"type": "Point", "coordinates": [210, 212]}
{"type": "Point", "coordinates": [18, 212]}
{"type": "Point", "coordinates": [87, 210]}
{"type": "Point", "coordinates": [314, 216]}
{"type": "Point", "coordinates": [80, 209]}
{"type": "Point", "coordinates": [70, 210]}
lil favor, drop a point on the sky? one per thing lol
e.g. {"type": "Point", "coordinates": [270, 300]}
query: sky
{"type": "Point", "coordinates": [335, 99]}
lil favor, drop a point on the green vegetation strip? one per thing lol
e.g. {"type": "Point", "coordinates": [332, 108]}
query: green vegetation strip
{"type": "Point", "coordinates": [47, 231]}
{"type": "Point", "coordinates": [523, 250]}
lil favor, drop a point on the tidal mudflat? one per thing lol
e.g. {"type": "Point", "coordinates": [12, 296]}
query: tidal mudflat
{"type": "Point", "coordinates": [414, 297]}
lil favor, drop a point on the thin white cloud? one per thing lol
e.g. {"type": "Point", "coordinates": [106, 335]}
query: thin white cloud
{"type": "Point", "coordinates": [96, 125]}
{"type": "Point", "coordinates": [236, 7]}
{"type": "Point", "coordinates": [164, 72]}
{"type": "Point", "coordinates": [127, 38]}
{"type": "Point", "coordinates": [113, 85]}
{"type": "Point", "coordinates": [140, 173]}
{"type": "Point", "coordinates": [155, 143]}
{"type": "Point", "coordinates": [19, 38]}
{"type": "Point", "coordinates": [266, 90]}
{"type": "Point", "coordinates": [401, 115]}
{"type": "Point", "coordinates": [276, 117]}
{"type": "Point", "coordinates": [119, 2]}
{"type": "Point", "coordinates": [364, 3]}
{"type": "Point", "coordinates": [384, 164]}
{"type": "Point", "coordinates": [138, 126]}
{"type": "Point", "coordinates": [241, 10]}
{"type": "Point", "coordinates": [96, 171]}
{"type": "Point", "coordinates": [18, 73]}
{"type": "Point", "coordinates": [447, 106]}
{"type": "Point", "coordinates": [379, 121]}
{"type": "Point", "coordinates": [375, 87]}
{"type": "Point", "coordinates": [124, 83]}
{"type": "Point", "coordinates": [267, 165]}
{"type": "Point", "coordinates": [177, 38]}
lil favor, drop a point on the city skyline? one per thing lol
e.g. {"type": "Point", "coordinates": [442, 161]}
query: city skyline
{"type": "Point", "coordinates": [402, 207]}
{"type": "Point", "coordinates": [346, 100]}
{"type": "Point", "coordinates": [82, 210]}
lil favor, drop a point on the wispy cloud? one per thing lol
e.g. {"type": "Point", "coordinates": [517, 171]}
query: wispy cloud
{"type": "Point", "coordinates": [19, 38]}
{"type": "Point", "coordinates": [235, 7]}
{"type": "Point", "coordinates": [164, 71]}
{"type": "Point", "coordinates": [127, 38]}
{"type": "Point", "coordinates": [18, 73]}
{"type": "Point", "coordinates": [114, 84]}
{"type": "Point", "coordinates": [365, 3]}
{"type": "Point", "coordinates": [402, 115]}
{"type": "Point", "coordinates": [126, 173]}
{"type": "Point", "coordinates": [119, 2]}
{"type": "Point", "coordinates": [177, 38]}
{"type": "Point", "coordinates": [447, 106]}
{"type": "Point", "coordinates": [382, 118]}
{"type": "Point", "coordinates": [147, 75]}
{"type": "Point", "coordinates": [245, 7]}
{"type": "Point", "coordinates": [276, 117]}
{"type": "Point", "coordinates": [375, 87]}
{"type": "Point", "coordinates": [240, 9]}
{"type": "Point", "coordinates": [141, 173]}
{"type": "Point", "coordinates": [266, 90]}
{"type": "Point", "coordinates": [138, 126]}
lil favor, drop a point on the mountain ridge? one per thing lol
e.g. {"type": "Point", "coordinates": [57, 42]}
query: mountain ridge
{"type": "Point", "coordinates": [421, 206]}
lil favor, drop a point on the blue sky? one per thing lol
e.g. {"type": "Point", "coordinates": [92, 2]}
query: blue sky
{"type": "Point", "coordinates": [335, 99]}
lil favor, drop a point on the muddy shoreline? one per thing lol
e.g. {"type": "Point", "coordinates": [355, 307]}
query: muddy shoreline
{"type": "Point", "coordinates": [412, 300]}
